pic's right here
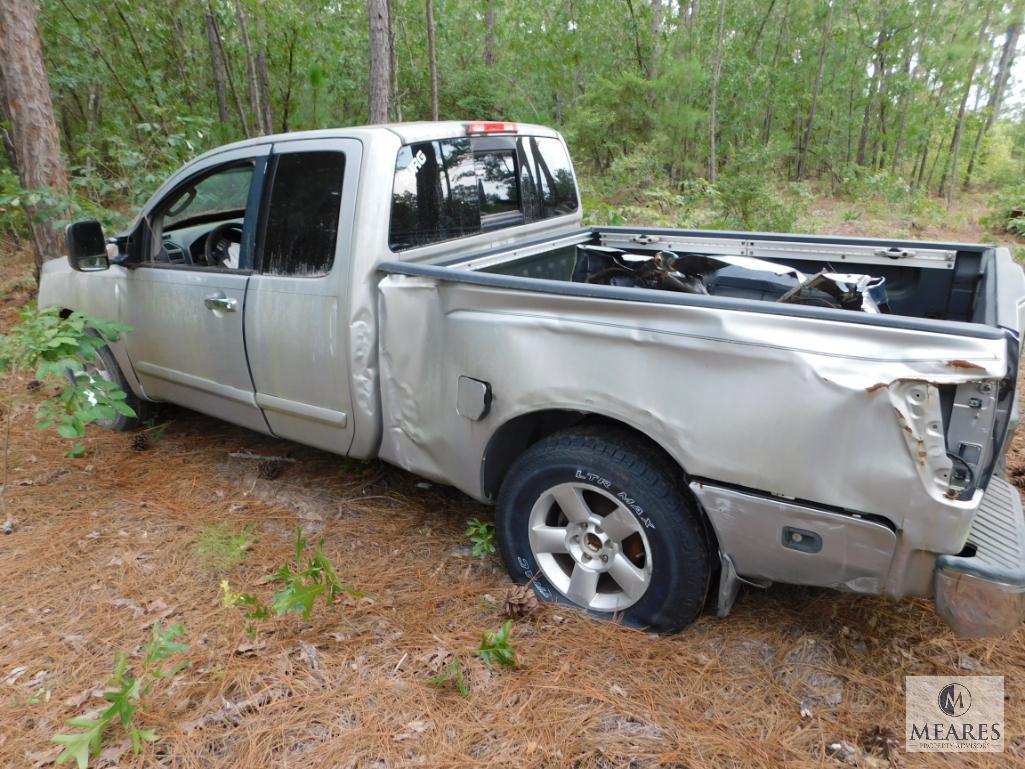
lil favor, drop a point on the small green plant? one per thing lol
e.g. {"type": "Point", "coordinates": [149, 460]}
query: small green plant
{"type": "Point", "coordinates": [128, 689]}
{"type": "Point", "coordinates": [255, 608]}
{"type": "Point", "coordinates": [482, 535]}
{"type": "Point", "coordinates": [306, 578]}
{"type": "Point", "coordinates": [52, 346]}
{"type": "Point", "coordinates": [495, 647]}
{"type": "Point", "coordinates": [304, 584]}
{"type": "Point", "coordinates": [222, 548]}
{"type": "Point", "coordinates": [452, 673]}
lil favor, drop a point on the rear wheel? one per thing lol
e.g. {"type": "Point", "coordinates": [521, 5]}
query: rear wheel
{"type": "Point", "coordinates": [596, 517]}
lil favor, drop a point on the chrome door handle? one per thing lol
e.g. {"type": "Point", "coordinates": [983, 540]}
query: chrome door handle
{"type": "Point", "coordinates": [219, 301]}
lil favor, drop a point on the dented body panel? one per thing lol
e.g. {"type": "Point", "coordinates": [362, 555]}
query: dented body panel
{"type": "Point", "coordinates": [833, 413]}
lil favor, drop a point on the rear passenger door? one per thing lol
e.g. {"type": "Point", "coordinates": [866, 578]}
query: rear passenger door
{"type": "Point", "coordinates": [296, 309]}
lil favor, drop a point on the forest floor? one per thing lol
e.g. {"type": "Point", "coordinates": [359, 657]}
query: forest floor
{"type": "Point", "coordinates": [105, 545]}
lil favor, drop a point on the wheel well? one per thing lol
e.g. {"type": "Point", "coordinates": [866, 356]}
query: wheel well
{"type": "Point", "coordinates": [519, 434]}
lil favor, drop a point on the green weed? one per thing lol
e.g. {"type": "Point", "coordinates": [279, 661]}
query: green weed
{"type": "Point", "coordinates": [305, 578]}
{"type": "Point", "coordinates": [482, 535]}
{"type": "Point", "coordinates": [128, 690]}
{"type": "Point", "coordinates": [495, 647]}
{"type": "Point", "coordinates": [453, 672]}
{"type": "Point", "coordinates": [50, 346]}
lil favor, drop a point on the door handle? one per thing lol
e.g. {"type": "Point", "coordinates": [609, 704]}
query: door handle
{"type": "Point", "coordinates": [218, 301]}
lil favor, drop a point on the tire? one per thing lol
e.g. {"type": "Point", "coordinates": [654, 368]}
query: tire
{"type": "Point", "coordinates": [105, 365]}
{"type": "Point", "coordinates": [601, 501]}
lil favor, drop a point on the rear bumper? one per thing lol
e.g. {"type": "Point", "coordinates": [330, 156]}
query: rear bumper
{"type": "Point", "coordinates": [983, 594]}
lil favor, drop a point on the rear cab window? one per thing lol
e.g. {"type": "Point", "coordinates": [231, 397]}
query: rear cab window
{"type": "Point", "coordinates": [452, 188]}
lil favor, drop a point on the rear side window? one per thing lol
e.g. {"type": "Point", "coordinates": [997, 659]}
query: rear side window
{"type": "Point", "coordinates": [548, 165]}
{"type": "Point", "coordinates": [302, 216]}
{"type": "Point", "coordinates": [456, 187]}
{"type": "Point", "coordinates": [435, 194]}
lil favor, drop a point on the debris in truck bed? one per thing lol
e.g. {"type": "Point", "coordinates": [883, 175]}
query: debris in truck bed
{"type": "Point", "coordinates": [729, 276]}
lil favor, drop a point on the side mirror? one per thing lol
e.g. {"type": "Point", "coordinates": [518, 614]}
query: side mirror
{"type": "Point", "coordinates": [87, 248]}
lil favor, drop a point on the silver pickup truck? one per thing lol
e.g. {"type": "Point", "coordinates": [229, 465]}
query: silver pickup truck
{"type": "Point", "coordinates": [658, 414]}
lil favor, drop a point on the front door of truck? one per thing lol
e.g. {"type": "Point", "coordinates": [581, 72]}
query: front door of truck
{"type": "Point", "coordinates": [296, 324]}
{"type": "Point", "coordinates": [185, 298]}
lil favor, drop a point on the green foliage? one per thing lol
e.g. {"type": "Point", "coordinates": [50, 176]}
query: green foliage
{"type": "Point", "coordinates": [255, 608]}
{"type": "Point", "coordinates": [1007, 211]}
{"type": "Point", "coordinates": [304, 584]}
{"type": "Point", "coordinates": [305, 578]}
{"type": "Point", "coordinates": [455, 674]}
{"type": "Point", "coordinates": [748, 198]}
{"type": "Point", "coordinates": [127, 691]}
{"type": "Point", "coordinates": [221, 547]}
{"type": "Point", "coordinates": [52, 346]}
{"type": "Point", "coordinates": [482, 535]}
{"type": "Point", "coordinates": [495, 647]}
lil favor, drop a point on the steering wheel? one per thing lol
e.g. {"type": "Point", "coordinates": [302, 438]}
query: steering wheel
{"type": "Point", "coordinates": [215, 249]}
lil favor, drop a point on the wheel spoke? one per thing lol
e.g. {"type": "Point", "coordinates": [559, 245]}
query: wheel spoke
{"type": "Point", "coordinates": [619, 524]}
{"type": "Point", "coordinates": [631, 579]}
{"type": "Point", "coordinates": [548, 539]}
{"type": "Point", "coordinates": [571, 502]}
{"type": "Point", "coordinates": [583, 584]}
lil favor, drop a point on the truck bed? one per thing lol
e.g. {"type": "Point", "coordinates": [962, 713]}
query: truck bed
{"type": "Point", "coordinates": [924, 280]}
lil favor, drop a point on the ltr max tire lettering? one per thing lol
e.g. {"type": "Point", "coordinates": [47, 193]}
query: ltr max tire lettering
{"type": "Point", "coordinates": [597, 518]}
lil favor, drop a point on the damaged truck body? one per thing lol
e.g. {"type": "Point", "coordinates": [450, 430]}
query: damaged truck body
{"type": "Point", "coordinates": [659, 415]}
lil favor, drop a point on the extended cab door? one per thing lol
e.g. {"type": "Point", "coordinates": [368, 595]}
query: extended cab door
{"type": "Point", "coordinates": [297, 305]}
{"type": "Point", "coordinates": [185, 296]}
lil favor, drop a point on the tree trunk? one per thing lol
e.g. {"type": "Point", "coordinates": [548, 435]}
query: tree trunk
{"type": "Point", "coordinates": [489, 34]}
{"type": "Point", "coordinates": [656, 37]}
{"type": "Point", "coordinates": [380, 61]}
{"type": "Point", "coordinates": [909, 87]}
{"type": "Point", "coordinates": [252, 79]}
{"type": "Point", "coordinates": [395, 109]}
{"type": "Point", "coordinates": [802, 158]}
{"type": "Point", "coordinates": [767, 120]}
{"type": "Point", "coordinates": [26, 93]}
{"type": "Point", "coordinates": [713, 116]}
{"type": "Point", "coordinates": [955, 140]}
{"type": "Point", "coordinates": [996, 96]}
{"type": "Point", "coordinates": [432, 55]}
{"type": "Point", "coordinates": [637, 37]}
{"type": "Point", "coordinates": [286, 109]}
{"type": "Point", "coordinates": [263, 78]}
{"type": "Point", "coordinates": [217, 65]}
{"type": "Point", "coordinates": [228, 71]}
{"type": "Point", "coordinates": [872, 86]}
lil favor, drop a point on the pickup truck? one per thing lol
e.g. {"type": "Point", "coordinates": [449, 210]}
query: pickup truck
{"type": "Point", "coordinates": [660, 416]}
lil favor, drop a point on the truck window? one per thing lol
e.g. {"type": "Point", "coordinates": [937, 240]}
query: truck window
{"type": "Point", "coordinates": [435, 195]}
{"type": "Point", "coordinates": [498, 189]}
{"type": "Point", "coordinates": [226, 191]}
{"type": "Point", "coordinates": [200, 223]}
{"type": "Point", "coordinates": [455, 187]}
{"type": "Point", "coordinates": [302, 216]}
{"type": "Point", "coordinates": [551, 170]}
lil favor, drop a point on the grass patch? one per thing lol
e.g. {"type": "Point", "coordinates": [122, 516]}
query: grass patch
{"type": "Point", "coordinates": [222, 548]}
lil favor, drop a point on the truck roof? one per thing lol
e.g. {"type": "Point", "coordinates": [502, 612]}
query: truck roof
{"type": "Point", "coordinates": [424, 130]}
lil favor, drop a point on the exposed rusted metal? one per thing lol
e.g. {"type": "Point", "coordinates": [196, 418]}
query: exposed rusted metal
{"type": "Point", "coordinates": [965, 364]}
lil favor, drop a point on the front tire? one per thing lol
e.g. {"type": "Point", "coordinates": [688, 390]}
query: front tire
{"type": "Point", "coordinates": [597, 518]}
{"type": "Point", "coordinates": [105, 366]}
